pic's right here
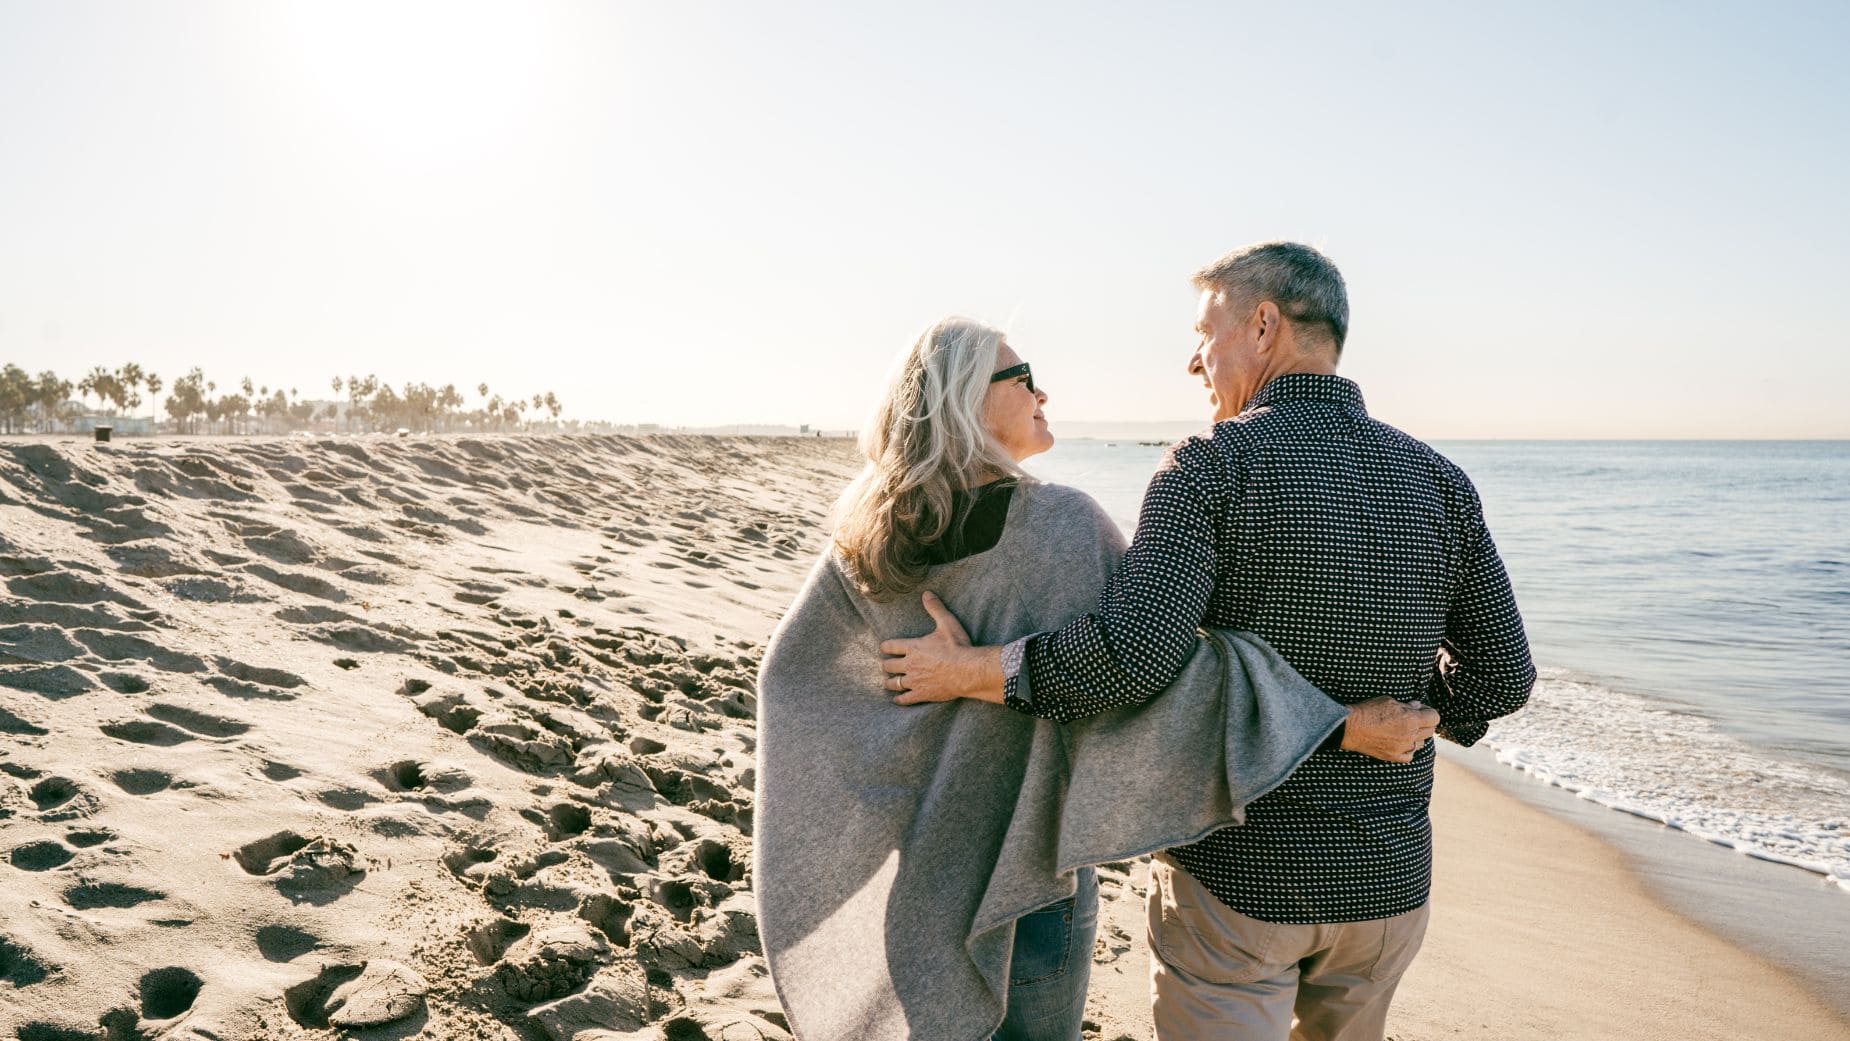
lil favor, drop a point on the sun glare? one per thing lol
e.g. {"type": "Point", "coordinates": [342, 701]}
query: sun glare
{"type": "Point", "coordinates": [420, 81]}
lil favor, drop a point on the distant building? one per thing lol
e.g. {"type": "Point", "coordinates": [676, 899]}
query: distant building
{"type": "Point", "coordinates": [129, 426]}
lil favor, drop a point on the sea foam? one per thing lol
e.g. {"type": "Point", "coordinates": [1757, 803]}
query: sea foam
{"type": "Point", "coordinates": [1643, 757]}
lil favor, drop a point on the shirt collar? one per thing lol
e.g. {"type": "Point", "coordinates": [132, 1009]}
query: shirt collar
{"type": "Point", "coordinates": [1309, 386]}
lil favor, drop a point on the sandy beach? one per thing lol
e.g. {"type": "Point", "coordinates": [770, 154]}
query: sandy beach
{"type": "Point", "coordinates": [452, 738]}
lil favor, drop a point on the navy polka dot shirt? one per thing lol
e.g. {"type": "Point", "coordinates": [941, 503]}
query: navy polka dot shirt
{"type": "Point", "coordinates": [1361, 554]}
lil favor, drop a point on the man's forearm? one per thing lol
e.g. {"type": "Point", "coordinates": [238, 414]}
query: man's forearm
{"type": "Point", "coordinates": [982, 674]}
{"type": "Point", "coordinates": [1484, 669]}
{"type": "Point", "coordinates": [1468, 697]}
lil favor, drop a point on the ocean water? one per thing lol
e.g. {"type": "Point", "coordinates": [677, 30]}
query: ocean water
{"type": "Point", "coordinates": [1689, 608]}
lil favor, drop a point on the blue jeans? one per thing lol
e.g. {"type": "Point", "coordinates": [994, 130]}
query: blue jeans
{"type": "Point", "coordinates": [1051, 966]}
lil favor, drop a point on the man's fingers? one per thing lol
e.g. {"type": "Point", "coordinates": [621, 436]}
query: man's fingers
{"type": "Point", "coordinates": [893, 665]}
{"type": "Point", "coordinates": [900, 647]}
{"type": "Point", "coordinates": [911, 697]}
{"type": "Point", "coordinates": [943, 616]}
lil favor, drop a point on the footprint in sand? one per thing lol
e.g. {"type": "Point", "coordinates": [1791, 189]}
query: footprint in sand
{"type": "Point", "coordinates": [146, 732]}
{"type": "Point", "coordinates": [314, 615]}
{"type": "Point", "coordinates": [91, 895]}
{"type": "Point", "coordinates": [552, 963]}
{"type": "Point", "coordinates": [123, 682]}
{"type": "Point", "coordinates": [563, 821]}
{"type": "Point", "coordinates": [269, 853]}
{"type": "Point", "coordinates": [451, 711]}
{"type": "Point", "coordinates": [488, 941]}
{"type": "Point", "coordinates": [202, 723]}
{"type": "Point", "coordinates": [86, 839]}
{"type": "Point", "coordinates": [285, 943]}
{"type": "Point", "coordinates": [42, 1031]}
{"type": "Point", "coordinates": [318, 869]}
{"type": "Point", "coordinates": [711, 857]}
{"type": "Point", "coordinates": [373, 994]}
{"type": "Point", "coordinates": [19, 966]}
{"type": "Point", "coordinates": [19, 725]}
{"type": "Point", "coordinates": [169, 993]}
{"type": "Point", "coordinates": [298, 582]}
{"type": "Point", "coordinates": [40, 856]}
{"type": "Point", "coordinates": [421, 780]}
{"type": "Point", "coordinates": [62, 799]}
{"type": "Point", "coordinates": [610, 915]}
{"type": "Point", "coordinates": [471, 862]}
{"type": "Point", "coordinates": [276, 771]}
{"type": "Point", "coordinates": [406, 775]}
{"type": "Point", "coordinates": [343, 798]}
{"type": "Point", "coordinates": [119, 647]}
{"type": "Point", "coordinates": [142, 781]}
{"type": "Point", "coordinates": [238, 680]}
{"type": "Point", "coordinates": [307, 1002]}
{"type": "Point", "coordinates": [52, 682]}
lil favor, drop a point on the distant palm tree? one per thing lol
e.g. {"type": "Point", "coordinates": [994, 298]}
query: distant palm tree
{"type": "Point", "coordinates": [51, 393]}
{"type": "Point", "coordinates": [153, 380]}
{"type": "Point", "coordinates": [93, 383]}
{"type": "Point", "coordinates": [128, 380]}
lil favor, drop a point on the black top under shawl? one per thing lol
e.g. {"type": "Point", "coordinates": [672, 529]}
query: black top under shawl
{"type": "Point", "coordinates": [984, 511]}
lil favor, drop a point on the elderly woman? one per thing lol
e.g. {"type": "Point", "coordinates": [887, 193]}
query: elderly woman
{"type": "Point", "coordinates": [924, 871]}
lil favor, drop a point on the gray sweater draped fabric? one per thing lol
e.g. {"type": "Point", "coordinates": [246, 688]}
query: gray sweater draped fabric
{"type": "Point", "coordinates": [895, 847]}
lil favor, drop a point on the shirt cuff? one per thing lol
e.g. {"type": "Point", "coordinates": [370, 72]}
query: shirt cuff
{"type": "Point", "coordinates": [1334, 742]}
{"type": "Point", "coordinates": [1017, 691]}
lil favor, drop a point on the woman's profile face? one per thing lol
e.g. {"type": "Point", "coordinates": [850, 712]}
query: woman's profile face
{"type": "Point", "coordinates": [1012, 412]}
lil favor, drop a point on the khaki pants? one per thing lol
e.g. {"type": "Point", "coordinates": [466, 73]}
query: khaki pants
{"type": "Point", "coordinates": [1218, 975]}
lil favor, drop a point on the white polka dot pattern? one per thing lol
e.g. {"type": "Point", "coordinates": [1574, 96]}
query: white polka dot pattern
{"type": "Point", "coordinates": [1361, 554]}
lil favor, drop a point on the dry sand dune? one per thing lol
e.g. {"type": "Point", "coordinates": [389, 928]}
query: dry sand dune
{"type": "Point", "coordinates": [439, 738]}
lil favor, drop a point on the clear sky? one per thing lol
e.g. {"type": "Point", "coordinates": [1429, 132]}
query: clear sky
{"type": "Point", "coordinates": [1556, 220]}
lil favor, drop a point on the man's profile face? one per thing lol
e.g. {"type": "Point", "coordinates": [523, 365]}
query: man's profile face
{"type": "Point", "coordinates": [1225, 357]}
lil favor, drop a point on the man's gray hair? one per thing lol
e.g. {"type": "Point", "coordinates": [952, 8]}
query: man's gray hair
{"type": "Point", "coordinates": [1303, 283]}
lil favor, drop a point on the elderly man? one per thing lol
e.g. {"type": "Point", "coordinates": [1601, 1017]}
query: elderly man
{"type": "Point", "coordinates": [1362, 556]}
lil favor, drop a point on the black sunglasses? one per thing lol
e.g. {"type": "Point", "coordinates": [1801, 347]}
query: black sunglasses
{"type": "Point", "coordinates": [1014, 371]}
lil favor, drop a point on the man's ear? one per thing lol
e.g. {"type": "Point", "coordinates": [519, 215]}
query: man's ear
{"type": "Point", "coordinates": [1267, 321]}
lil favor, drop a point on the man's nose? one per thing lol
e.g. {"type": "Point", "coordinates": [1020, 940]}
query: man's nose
{"type": "Point", "coordinates": [1194, 362]}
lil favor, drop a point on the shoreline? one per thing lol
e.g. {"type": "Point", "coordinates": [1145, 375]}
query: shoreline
{"type": "Point", "coordinates": [1617, 961]}
{"type": "Point", "coordinates": [1786, 914]}
{"type": "Point", "coordinates": [1590, 950]}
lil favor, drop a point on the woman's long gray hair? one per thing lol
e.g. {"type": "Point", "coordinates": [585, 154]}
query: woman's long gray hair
{"type": "Point", "coordinates": [925, 441]}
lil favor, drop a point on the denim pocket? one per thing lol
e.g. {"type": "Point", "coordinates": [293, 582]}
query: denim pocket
{"type": "Point", "coordinates": [1043, 940]}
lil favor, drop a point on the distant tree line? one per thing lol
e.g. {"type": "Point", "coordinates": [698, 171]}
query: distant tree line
{"type": "Point", "coordinates": [44, 403]}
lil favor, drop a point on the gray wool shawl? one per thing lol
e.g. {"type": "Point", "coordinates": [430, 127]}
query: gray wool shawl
{"type": "Point", "coordinates": [895, 847]}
